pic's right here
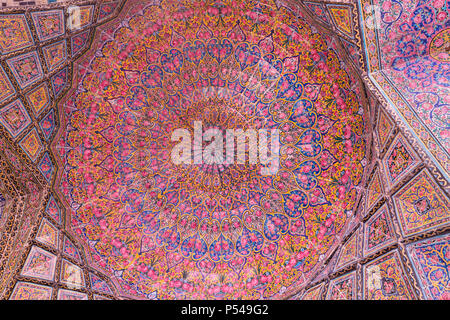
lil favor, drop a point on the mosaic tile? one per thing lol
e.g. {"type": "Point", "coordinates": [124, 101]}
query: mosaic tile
{"type": "Point", "coordinates": [421, 205]}
{"type": "Point", "coordinates": [79, 17]}
{"type": "Point", "coordinates": [39, 99]}
{"type": "Point", "coordinates": [32, 144]}
{"type": "Point", "coordinates": [59, 81]}
{"type": "Point", "coordinates": [31, 291]}
{"type": "Point", "coordinates": [6, 88]}
{"type": "Point", "coordinates": [46, 167]}
{"type": "Point", "coordinates": [14, 118]}
{"type": "Point", "coordinates": [349, 251]}
{"type": "Point", "coordinates": [14, 33]}
{"type": "Point", "coordinates": [48, 124]}
{"type": "Point", "coordinates": [106, 10]}
{"type": "Point", "coordinates": [99, 285]}
{"type": "Point", "coordinates": [342, 18]}
{"type": "Point", "coordinates": [384, 128]}
{"type": "Point", "coordinates": [48, 234]}
{"type": "Point", "coordinates": [374, 190]}
{"type": "Point", "coordinates": [39, 264]}
{"type": "Point", "coordinates": [48, 24]}
{"type": "Point", "coordinates": [431, 261]}
{"type": "Point", "coordinates": [79, 42]}
{"type": "Point", "coordinates": [53, 210]}
{"type": "Point", "coordinates": [70, 250]}
{"type": "Point", "coordinates": [71, 275]}
{"type": "Point", "coordinates": [400, 159]}
{"type": "Point", "coordinates": [314, 293]}
{"type": "Point", "coordinates": [342, 287]}
{"type": "Point", "coordinates": [385, 279]}
{"type": "Point", "coordinates": [26, 68]}
{"type": "Point", "coordinates": [319, 10]}
{"type": "Point", "coordinates": [55, 55]}
{"type": "Point", "coordinates": [378, 231]}
{"type": "Point", "coordinates": [64, 294]}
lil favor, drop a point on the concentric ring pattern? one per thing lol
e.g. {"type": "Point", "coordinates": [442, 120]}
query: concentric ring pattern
{"type": "Point", "coordinates": [204, 231]}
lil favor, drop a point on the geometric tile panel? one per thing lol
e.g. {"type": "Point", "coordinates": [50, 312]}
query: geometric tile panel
{"type": "Point", "coordinates": [385, 279]}
{"type": "Point", "coordinates": [31, 291]}
{"type": "Point", "coordinates": [99, 297]}
{"type": "Point", "coordinates": [48, 24]}
{"type": "Point", "coordinates": [342, 18]}
{"type": "Point", "coordinates": [6, 88]}
{"type": "Point", "coordinates": [53, 209]}
{"type": "Point", "coordinates": [48, 234]}
{"type": "Point", "coordinates": [374, 190]}
{"type": "Point", "coordinates": [71, 275]}
{"type": "Point", "coordinates": [64, 294]}
{"type": "Point", "coordinates": [39, 99]}
{"type": "Point", "coordinates": [318, 10]}
{"type": "Point", "coordinates": [15, 33]}
{"type": "Point", "coordinates": [59, 81]}
{"type": "Point", "coordinates": [55, 54]}
{"type": "Point", "coordinates": [79, 17]}
{"type": "Point", "coordinates": [378, 231]}
{"type": "Point", "coordinates": [431, 263]}
{"type": "Point", "coordinates": [349, 251]}
{"type": "Point", "coordinates": [400, 159]}
{"type": "Point", "coordinates": [343, 287]}
{"type": "Point", "coordinates": [14, 118]}
{"type": "Point", "coordinates": [47, 124]}
{"type": "Point", "coordinates": [70, 250]}
{"type": "Point", "coordinates": [99, 284]}
{"type": "Point", "coordinates": [26, 68]}
{"type": "Point", "coordinates": [315, 293]}
{"type": "Point", "coordinates": [32, 144]}
{"type": "Point", "coordinates": [39, 264]}
{"type": "Point", "coordinates": [46, 167]}
{"type": "Point", "coordinates": [384, 128]}
{"type": "Point", "coordinates": [421, 205]}
{"type": "Point", "coordinates": [106, 10]}
{"type": "Point", "coordinates": [79, 41]}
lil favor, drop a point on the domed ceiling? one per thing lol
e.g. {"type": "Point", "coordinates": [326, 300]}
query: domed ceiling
{"type": "Point", "coordinates": [121, 218]}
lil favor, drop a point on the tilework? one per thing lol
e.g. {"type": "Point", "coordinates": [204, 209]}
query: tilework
{"type": "Point", "coordinates": [349, 251]}
{"type": "Point", "coordinates": [99, 285]}
{"type": "Point", "coordinates": [421, 205]}
{"type": "Point", "coordinates": [48, 24]}
{"type": "Point", "coordinates": [64, 294]}
{"type": "Point", "coordinates": [378, 231]}
{"type": "Point", "coordinates": [59, 81]}
{"type": "Point", "coordinates": [48, 234]}
{"type": "Point", "coordinates": [385, 279]}
{"type": "Point", "coordinates": [431, 262]}
{"type": "Point", "coordinates": [71, 275]}
{"type": "Point", "coordinates": [374, 190]}
{"type": "Point", "coordinates": [314, 293]}
{"type": "Point", "coordinates": [14, 33]}
{"type": "Point", "coordinates": [342, 18]}
{"type": "Point", "coordinates": [46, 167]}
{"type": "Point", "coordinates": [53, 210]}
{"type": "Point", "coordinates": [342, 287]}
{"type": "Point", "coordinates": [79, 42]}
{"type": "Point", "coordinates": [399, 161]}
{"type": "Point", "coordinates": [106, 10]}
{"type": "Point", "coordinates": [31, 291]}
{"type": "Point", "coordinates": [39, 99]}
{"type": "Point", "coordinates": [14, 118]}
{"type": "Point", "coordinates": [55, 55]}
{"type": "Point", "coordinates": [48, 125]}
{"type": "Point", "coordinates": [26, 68]}
{"type": "Point", "coordinates": [70, 250]}
{"type": "Point", "coordinates": [79, 17]}
{"type": "Point", "coordinates": [319, 11]}
{"type": "Point", "coordinates": [32, 144]}
{"type": "Point", "coordinates": [384, 128]}
{"type": "Point", "coordinates": [6, 88]}
{"type": "Point", "coordinates": [39, 264]}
